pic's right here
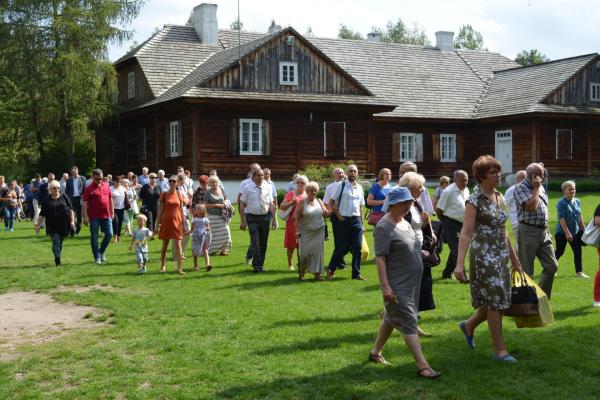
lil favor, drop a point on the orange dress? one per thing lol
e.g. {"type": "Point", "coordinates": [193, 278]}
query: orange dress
{"type": "Point", "coordinates": [171, 222]}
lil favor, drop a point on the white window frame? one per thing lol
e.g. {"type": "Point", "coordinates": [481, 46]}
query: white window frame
{"type": "Point", "coordinates": [562, 130]}
{"type": "Point", "coordinates": [284, 72]}
{"type": "Point", "coordinates": [325, 136]}
{"type": "Point", "coordinates": [260, 137]}
{"type": "Point", "coordinates": [450, 138]}
{"type": "Point", "coordinates": [594, 91]}
{"type": "Point", "coordinates": [407, 154]}
{"type": "Point", "coordinates": [174, 139]}
{"type": "Point", "coordinates": [131, 85]}
{"type": "Point", "coordinates": [142, 144]}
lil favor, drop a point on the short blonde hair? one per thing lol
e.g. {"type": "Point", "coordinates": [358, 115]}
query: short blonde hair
{"type": "Point", "coordinates": [53, 184]}
{"type": "Point", "coordinates": [213, 178]}
{"type": "Point", "coordinates": [312, 186]}
{"type": "Point", "coordinates": [412, 180]}
{"type": "Point", "coordinates": [383, 171]}
{"type": "Point", "coordinates": [142, 217]}
{"type": "Point", "coordinates": [566, 184]}
{"type": "Point", "coordinates": [444, 179]}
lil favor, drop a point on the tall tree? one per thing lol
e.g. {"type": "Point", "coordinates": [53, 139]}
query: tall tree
{"type": "Point", "coordinates": [531, 57]}
{"type": "Point", "coordinates": [236, 25]}
{"type": "Point", "coordinates": [399, 32]}
{"type": "Point", "coordinates": [346, 33]}
{"type": "Point", "coordinates": [468, 38]}
{"type": "Point", "coordinates": [62, 71]}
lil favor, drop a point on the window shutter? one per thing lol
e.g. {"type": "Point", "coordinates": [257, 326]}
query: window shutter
{"type": "Point", "coordinates": [266, 140]}
{"type": "Point", "coordinates": [234, 137]}
{"type": "Point", "coordinates": [396, 147]}
{"type": "Point", "coordinates": [459, 147]}
{"type": "Point", "coordinates": [180, 138]}
{"type": "Point", "coordinates": [418, 147]}
{"type": "Point", "coordinates": [435, 138]}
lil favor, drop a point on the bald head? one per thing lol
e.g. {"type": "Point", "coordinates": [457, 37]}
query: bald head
{"type": "Point", "coordinates": [520, 176]}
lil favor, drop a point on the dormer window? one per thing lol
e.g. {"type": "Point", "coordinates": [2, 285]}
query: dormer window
{"type": "Point", "coordinates": [288, 73]}
{"type": "Point", "coordinates": [131, 85]}
{"type": "Point", "coordinates": [594, 91]}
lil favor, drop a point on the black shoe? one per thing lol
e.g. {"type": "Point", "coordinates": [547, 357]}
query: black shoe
{"type": "Point", "coordinates": [57, 261]}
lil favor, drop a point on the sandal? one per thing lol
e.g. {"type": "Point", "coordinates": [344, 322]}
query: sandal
{"type": "Point", "coordinates": [378, 359]}
{"type": "Point", "coordinates": [163, 269]}
{"type": "Point", "coordinates": [470, 339]}
{"type": "Point", "coordinates": [180, 272]}
{"type": "Point", "coordinates": [208, 268]}
{"type": "Point", "coordinates": [432, 374]}
{"type": "Point", "coordinates": [195, 268]}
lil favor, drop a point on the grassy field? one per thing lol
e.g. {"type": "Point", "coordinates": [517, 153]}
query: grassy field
{"type": "Point", "coordinates": [233, 334]}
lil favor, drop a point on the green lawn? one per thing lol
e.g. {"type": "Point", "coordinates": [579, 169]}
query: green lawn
{"type": "Point", "coordinates": [236, 335]}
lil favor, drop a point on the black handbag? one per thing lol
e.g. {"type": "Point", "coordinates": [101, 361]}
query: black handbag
{"type": "Point", "coordinates": [524, 299]}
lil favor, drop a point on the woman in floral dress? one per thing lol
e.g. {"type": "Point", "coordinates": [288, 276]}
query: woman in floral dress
{"type": "Point", "coordinates": [484, 233]}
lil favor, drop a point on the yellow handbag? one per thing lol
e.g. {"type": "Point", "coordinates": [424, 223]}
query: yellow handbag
{"type": "Point", "coordinates": [543, 317]}
{"type": "Point", "coordinates": [364, 249]}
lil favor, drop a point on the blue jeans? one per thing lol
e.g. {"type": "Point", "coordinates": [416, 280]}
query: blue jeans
{"type": "Point", "coordinates": [105, 226]}
{"type": "Point", "coordinates": [9, 217]}
{"type": "Point", "coordinates": [348, 237]}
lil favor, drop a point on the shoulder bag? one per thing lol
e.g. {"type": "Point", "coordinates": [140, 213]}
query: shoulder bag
{"type": "Point", "coordinates": [285, 214]}
{"type": "Point", "coordinates": [591, 235]}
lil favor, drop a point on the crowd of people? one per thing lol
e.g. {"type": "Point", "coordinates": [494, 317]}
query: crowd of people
{"type": "Point", "coordinates": [407, 240]}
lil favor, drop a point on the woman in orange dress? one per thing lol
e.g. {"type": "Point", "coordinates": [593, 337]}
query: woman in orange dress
{"type": "Point", "coordinates": [292, 199]}
{"type": "Point", "coordinates": [170, 223]}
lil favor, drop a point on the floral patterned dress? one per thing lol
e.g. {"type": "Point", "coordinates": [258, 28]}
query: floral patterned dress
{"type": "Point", "coordinates": [489, 272]}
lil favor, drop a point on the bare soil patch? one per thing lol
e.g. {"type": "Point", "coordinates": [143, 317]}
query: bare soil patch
{"type": "Point", "coordinates": [32, 318]}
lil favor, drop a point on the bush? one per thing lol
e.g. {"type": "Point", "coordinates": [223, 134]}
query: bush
{"type": "Point", "coordinates": [322, 174]}
{"type": "Point", "coordinates": [584, 185]}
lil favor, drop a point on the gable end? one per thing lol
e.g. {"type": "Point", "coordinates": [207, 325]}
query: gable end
{"type": "Point", "coordinates": [577, 90]}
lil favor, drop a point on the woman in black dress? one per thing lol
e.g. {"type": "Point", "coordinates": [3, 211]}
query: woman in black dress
{"type": "Point", "coordinates": [150, 195]}
{"type": "Point", "coordinates": [57, 212]}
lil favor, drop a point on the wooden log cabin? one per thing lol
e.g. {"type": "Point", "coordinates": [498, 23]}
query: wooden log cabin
{"type": "Point", "coordinates": [206, 98]}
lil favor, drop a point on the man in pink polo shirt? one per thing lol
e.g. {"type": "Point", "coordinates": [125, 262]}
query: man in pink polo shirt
{"type": "Point", "coordinates": [98, 211]}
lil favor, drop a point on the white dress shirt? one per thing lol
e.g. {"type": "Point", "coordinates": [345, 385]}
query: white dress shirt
{"type": "Point", "coordinates": [329, 191]}
{"type": "Point", "coordinates": [352, 198]}
{"type": "Point", "coordinates": [452, 202]}
{"type": "Point", "coordinates": [258, 199]}
{"type": "Point", "coordinates": [77, 189]}
{"type": "Point", "coordinates": [511, 203]}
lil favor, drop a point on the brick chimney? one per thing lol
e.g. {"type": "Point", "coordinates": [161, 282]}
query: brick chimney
{"type": "Point", "coordinates": [205, 23]}
{"type": "Point", "coordinates": [444, 40]}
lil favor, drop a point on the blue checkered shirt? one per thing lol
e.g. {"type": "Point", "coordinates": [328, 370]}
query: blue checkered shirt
{"type": "Point", "coordinates": [524, 192]}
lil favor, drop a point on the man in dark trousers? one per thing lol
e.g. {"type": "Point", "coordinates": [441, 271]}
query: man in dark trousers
{"type": "Point", "coordinates": [74, 189]}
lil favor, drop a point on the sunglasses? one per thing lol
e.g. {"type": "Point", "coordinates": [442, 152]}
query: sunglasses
{"type": "Point", "coordinates": [172, 181]}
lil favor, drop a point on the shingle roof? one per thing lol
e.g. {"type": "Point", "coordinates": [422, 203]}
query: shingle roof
{"type": "Point", "coordinates": [521, 90]}
{"type": "Point", "coordinates": [423, 82]}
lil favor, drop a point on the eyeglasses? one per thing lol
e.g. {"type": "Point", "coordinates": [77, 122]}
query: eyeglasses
{"type": "Point", "coordinates": [494, 172]}
{"type": "Point", "coordinates": [300, 183]}
{"type": "Point", "coordinates": [172, 181]}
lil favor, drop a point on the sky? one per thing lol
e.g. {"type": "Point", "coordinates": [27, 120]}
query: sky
{"type": "Point", "coordinates": [557, 28]}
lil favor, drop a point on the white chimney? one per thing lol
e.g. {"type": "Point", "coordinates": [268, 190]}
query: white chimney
{"type": "Point", "coordinates": [205, 23]}
{"type": "Point", "coordinates": [274, 27]}
{"type": "Point", "coordinates": [444, 40]}
{"type": "Point", "coordinates": [374, 37]}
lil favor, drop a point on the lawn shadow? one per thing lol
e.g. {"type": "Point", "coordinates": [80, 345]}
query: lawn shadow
{"type": "Point", "coordinates": [290, 280]}
{"type": "Point", "coordinates": [321, 320]}
{"type": "Point", "coordinates": [320, 344]}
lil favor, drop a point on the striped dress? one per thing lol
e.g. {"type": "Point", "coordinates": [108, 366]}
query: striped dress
{"type": "Point", "coordinates": [221, 235]}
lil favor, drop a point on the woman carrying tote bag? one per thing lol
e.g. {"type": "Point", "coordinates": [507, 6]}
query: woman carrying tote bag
{"type": "Point", "coordinates": [591, 229]}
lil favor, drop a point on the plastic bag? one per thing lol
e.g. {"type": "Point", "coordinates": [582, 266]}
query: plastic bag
{"type": "Point", "coordinates": [364, 249]}
{"type": "Point", "coordinates": [544, 316]}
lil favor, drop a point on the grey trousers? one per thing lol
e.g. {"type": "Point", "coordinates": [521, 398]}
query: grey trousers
{"type": "Point", "coordinates": [535, 242]}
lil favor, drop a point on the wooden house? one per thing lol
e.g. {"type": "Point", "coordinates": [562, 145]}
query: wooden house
{"type": "Point", "coordinates": [207, 98]}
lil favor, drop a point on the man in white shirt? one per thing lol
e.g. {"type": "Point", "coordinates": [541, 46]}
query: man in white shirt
{"type": "Point", "coordinates": [338, 176]}
{"type": "Point", "coordinates": [268, 181]}
{"type": "Point", "coordinates": [256, 210]}
{"type": "Point", "coordinates": [243, 184]}
{"type": "Point", "coordinates": [143, 178]}
{"type": "Point", "coordinates": [347, 201]}
{"type": "Point", "coordinates": [511, 203]}
{"type": "Point", "coordinates": [451, 211]}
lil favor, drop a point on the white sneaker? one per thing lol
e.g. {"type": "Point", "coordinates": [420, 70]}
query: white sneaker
{"type": "Point", "coordinates": [597, 304]}
{"type": "Point", "coordinates": [102, 258]}
{"type": "Point", "coordinates": [582, 275]}
{"type": "Point", "coordinates": [98, 261]}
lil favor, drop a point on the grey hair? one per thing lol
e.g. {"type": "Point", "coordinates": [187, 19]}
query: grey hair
{"type": "Point", "coordinates": [460, 172]}
{"type": "Point", "coordinates": [302, 178]}
{"type": "Point", "coordinates": [408, 165]}
{"type": "Point", "coordinates": [533, 169]}
{"type": "Point", "coordinates": [412, 180]}
{"type": "Point", "coordinates": [53, 184]}
{"type": "Point", "coordinates": [337, 170]}
{"type": "Point", "coordinates": [566, 184]}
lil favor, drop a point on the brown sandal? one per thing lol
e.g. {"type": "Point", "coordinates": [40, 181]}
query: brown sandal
{"type": "Point", "coordinates": [378, 359]}
{"type": "Point", "coordinates": [432, 374]}
{"type": "Point", "coordinates": [208, 268]}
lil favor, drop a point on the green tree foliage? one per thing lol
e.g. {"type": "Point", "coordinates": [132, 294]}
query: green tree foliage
{"type": "Point", "coordinates": [399, 32]}
{"type": "Point", "coordinates": [53, 58]}
{"type": "Point", "coordinates": [468, 38]}
{"type": "Point", "coordinates": [347, 33]}
{"type": "Point", "coordinates": [236, 25]}
{"type": "Point", "coordinates": [531, 57]}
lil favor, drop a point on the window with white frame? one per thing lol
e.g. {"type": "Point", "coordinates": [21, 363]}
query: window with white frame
{"type": "Point", "coordinates": [288, 73]}
{"type": "Point", "coordinates": [447, 147]}
{"type": "Point", "coordinates": [141, 144]}
{"type": "Point", "coordinates": [131, 85]}
{"type": "Point", "coordinates": [408, 147]}
{"type": "Point", "coordinates": [564, 144]}
{"type": "Point", "coordinates": [251, 141]}
{"type": "Point", "coordinates": [174, 139]}
{"type": "Point", "coordinates": [594, 91]}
